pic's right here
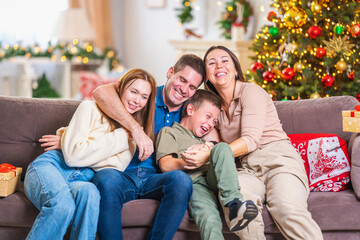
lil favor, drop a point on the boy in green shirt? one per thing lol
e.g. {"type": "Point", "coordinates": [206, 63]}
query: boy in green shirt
{"type": "Point", "coordinates": [218, 177]}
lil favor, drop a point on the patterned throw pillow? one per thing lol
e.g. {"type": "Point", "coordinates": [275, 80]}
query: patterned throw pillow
{"type": "Point", "coordinates": [326, 161]}
{"type": "Point", "coordinates": [89, 81]}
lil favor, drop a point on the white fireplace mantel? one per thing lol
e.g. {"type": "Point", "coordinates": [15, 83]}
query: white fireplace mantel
{"type": "Point", "coordinates": [199, 47]}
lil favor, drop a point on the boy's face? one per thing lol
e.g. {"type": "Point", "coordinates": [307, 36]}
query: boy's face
{"type": "Point", "coordinates": [203, 119]}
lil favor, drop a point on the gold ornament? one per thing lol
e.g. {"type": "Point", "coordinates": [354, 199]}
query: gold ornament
{"type": "Point", "coordinates": [315, 7]}
{"type": "Point", "coordinates": [295, 17]}
{"type": "Point", "coordinates": [338, 45]}
{"type": "Point", "coordinates": [291, 46]}
{"type": "Point", "coordinates": [298, 67]}
{"type": "Point", "coordinates": [315, 95]}
{"type": "Point", "coordinates": [341, 65]}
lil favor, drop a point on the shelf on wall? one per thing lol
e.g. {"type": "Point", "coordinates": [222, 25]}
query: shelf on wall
{"type": "Point", "coordinates": [199, 47]}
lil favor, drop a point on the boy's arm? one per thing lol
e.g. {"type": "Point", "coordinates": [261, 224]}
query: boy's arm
{"type": "Point", "coordinates": [108, 100]}
{"type": "Point", "coordinates": [169, 163]}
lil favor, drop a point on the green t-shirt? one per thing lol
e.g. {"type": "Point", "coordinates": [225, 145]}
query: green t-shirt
{"type": "Point", "coordinates": [175, 140]}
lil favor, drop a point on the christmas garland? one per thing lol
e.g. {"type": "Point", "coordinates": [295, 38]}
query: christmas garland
{"type": "Point", "coordinates": [185, 15]}
{"type": "Point", "coordinates": [63, 51]}
{"type": "Point", "coordinates": [229, 16]}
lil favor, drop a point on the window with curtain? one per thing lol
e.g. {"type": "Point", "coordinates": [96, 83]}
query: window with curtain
{"type": "Point", "coordinates": [28, 22]}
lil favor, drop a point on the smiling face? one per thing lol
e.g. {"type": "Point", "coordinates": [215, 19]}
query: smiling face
{"type": "Point", "coordinates": [180, 86]}
{"type": "Point", "coordinates": [136, 95]}
{"type": "Point", "coordinates": [202, 120]}
{"type": "Point", "coordinates": [220, 69]}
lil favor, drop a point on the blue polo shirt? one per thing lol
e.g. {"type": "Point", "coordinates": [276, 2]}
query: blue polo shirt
{"type": "Point", "coordinates": [163, 118]}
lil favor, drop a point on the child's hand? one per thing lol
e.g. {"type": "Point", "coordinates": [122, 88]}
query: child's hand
{"type": "Point", "coordinates": [51, 142]}
{"type": "Point", "coordinates": [195, 159]}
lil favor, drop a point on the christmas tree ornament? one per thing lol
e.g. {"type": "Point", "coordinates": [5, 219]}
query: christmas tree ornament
{"type": "Point", "coordinates": [288, 73]}
{"type": "Point", "coordinates": [314, 31]}
{"type": "Point", "coordinates": [315, 95]}
{"type": "Point", "coordinates": [315, 7]}
{"type": "Point", "coordinates": [271, 15]}
{"type": "Point", "coordinates": [358, 97]}
{"type": "Point", "coordinates": [324, 51]}
{"type": "Point", "coordinates": [328, 80]}
{"type": "Point", "coordinates": [355, 30]}
{"type": "Point", "coordinates": [256, 65]}
{"type": "Point", "coordinates": [351, 76]}
{"type": "Point", "coordinates": [338, 29]}
{"type": "Point", "coordinates": [295, 17]}
{"type": "Point", "coordinates": [268, 76]}
{"type": "Point", "coordinates": [341, 65]}
{"type": "Point", "coordinates": [273, 31]}
{"type": "Point", "coordinates": [320, 52]}
{"type": "Point", "coordinates": [338, 45]}
{"type": "Point", "coordinates": [299, 67]}
{"type": "Point", "coordinates": [291, 46]}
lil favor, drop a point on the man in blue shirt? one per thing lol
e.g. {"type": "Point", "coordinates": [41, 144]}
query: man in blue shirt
{"type": "Point", "coordinates": [142, 179]}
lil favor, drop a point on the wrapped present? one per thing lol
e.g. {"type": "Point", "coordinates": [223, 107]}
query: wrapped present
{"type": "Point", "coordinates": [9, 179]}
{"type": "Point", "coordinates": [351, 120]}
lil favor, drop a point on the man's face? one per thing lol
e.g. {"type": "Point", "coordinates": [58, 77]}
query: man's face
{"type": "Point", "coordinates": [180, 86]}
{"type": "Point", "coordinates": [203, 119]}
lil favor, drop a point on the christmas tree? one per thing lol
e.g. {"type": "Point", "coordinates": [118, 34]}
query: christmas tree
{"type": "Point", "coordinates": [44, 89]}
{"type": "Point", "coordinates": [310, 50]}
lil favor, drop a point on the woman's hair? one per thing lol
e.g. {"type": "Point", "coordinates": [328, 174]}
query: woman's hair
{"type": "Point", "coordinates": [239, 77]}
{"type": "Point", "coordinates": [145, 117]}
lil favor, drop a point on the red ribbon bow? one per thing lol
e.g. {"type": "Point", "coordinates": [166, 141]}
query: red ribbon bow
{"type": "Point", "coordinates": [5, 168]}
{"type": "Point", "coordinates": [357, 109]}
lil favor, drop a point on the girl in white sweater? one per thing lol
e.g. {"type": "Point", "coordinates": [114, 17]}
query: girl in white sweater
{"type": "Point", "coordinates": [58, 182]}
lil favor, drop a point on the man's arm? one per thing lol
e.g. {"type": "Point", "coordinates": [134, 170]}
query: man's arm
{"type": "Point", "coordinates": [108, 100]}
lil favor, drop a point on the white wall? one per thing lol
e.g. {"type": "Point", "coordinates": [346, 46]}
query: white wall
{"type": "Point", "coordinates": [141, 34]}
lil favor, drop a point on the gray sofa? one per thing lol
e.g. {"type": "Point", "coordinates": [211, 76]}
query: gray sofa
{"type": "Point", "coordinates": [23, 121]}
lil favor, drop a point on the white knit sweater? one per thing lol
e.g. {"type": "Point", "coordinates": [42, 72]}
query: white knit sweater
{"type": "Point", "coordinates": [88, 141]}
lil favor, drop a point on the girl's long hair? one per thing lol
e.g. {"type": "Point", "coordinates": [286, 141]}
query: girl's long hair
{"type": "Point", "coordinates": [145, 117]}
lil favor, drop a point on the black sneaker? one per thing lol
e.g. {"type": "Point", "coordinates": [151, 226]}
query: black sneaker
{"type": "Point", "coordinates": [241, 213]}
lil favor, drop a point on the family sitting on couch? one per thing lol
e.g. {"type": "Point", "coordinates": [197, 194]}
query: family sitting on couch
{"type": "Point", "coordinates": [107, 158]}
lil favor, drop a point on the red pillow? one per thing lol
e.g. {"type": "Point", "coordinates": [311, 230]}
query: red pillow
{"type": "Point", "coordinates": [326, 161]}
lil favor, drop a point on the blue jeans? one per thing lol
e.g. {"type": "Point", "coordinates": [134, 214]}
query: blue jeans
{"type": "Point", "coordinates": [64, 196]}
{"type": "Point", "coordinates": [172, 189]}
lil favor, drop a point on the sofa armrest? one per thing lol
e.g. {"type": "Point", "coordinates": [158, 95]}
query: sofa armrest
{"type": "Point", "coordinates": [354, 151]}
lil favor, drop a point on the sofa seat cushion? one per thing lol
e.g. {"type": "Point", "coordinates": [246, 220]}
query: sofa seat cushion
{"type": "Point", "coordinates": [147, 207]}
{"type": "Point", "coordinates": [325, 208]}
{"type": "Point", "coordinates": [334, 211]}
{"type": "Point", "coordinates": [17, 210]}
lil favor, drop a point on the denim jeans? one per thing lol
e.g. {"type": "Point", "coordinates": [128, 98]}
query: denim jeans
{"type": "Point", "coordinates": [63, 196]}
{"type": "Point", "coordinates": [172, 189]}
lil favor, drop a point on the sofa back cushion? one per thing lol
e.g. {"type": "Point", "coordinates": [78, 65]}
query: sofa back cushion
{"type": "Point", "coordinates": [22, 123]}
{"type": "Point", "coordinates": [323, 115]}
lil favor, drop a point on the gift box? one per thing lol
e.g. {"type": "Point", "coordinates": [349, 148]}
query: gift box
{"type": "Point", "coordinates": [351, 120]}
{"type": "Point", "coordinates": [9, 179]}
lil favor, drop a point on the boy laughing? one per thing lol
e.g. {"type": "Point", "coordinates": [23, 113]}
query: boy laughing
{"type": "Point", "coordinates": [217, 177]}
